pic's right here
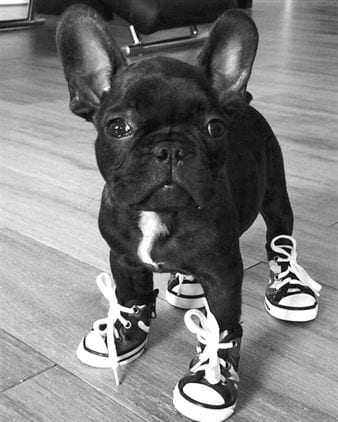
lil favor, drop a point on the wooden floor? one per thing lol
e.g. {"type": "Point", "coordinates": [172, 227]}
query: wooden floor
{"type": "Point", "coordinates": [51, 250]}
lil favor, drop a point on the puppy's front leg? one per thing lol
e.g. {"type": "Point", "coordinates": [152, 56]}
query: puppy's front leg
{"type": "Point", "coordinates": [133, 283]}
{"type": "Point", "coordinates": [222, 285]}
{"type": "Point", "coordinates": [209, 390]}
{"type": "Point", "coordinates": [122, 336]}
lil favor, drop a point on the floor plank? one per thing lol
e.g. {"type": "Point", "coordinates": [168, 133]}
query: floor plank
{"type": "Point", "coordinates": [56, 395]}
{"type": "Point", "coordinates": [18, 361]}
{"type": "Point", "coordinates": [53, 215]}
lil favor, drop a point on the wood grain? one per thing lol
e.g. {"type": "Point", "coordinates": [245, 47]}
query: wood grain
{"type": "Point", "coordinates": [56, 395]}
{"type": "Point", "coordinates": [18, 361]}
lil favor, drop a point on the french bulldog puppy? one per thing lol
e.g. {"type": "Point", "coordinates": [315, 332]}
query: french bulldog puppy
{"type": "Point", "coordinates": [188, 166]}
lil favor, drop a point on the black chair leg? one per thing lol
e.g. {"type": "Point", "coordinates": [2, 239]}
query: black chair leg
{"type": "Point", "coordinates": [245, 4]}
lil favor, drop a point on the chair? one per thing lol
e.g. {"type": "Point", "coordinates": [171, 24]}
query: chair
{"type": "Point", "coordinates": [149, 16]}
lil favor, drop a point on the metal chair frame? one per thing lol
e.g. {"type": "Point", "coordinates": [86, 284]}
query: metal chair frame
{"type": "Point", "coordinates": [30, 21]}
{"type": "Point", "coordinates": [140, 47]}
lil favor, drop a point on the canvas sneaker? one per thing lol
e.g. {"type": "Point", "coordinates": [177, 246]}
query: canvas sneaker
{"type": "Point", "coordinates": [291, 294]}
{"type": "Point", "coordinates": [122, 336]}
{"type": "Point", "coordinates": [208, 393]}
{"type": "Point", "coordinates": [184, 291]}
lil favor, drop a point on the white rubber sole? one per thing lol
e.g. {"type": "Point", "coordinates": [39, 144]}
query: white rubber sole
{"type": "Point", "coordinates": [290, 314]}
{"type": "Point", "coordinates": [183, 302]}
{"type": "Point", "coordinates": [98, 361]}
{"type": "Point", "coordinates": [199, 413]}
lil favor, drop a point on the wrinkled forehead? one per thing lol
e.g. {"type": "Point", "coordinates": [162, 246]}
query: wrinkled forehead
{"type": "Point", "coordinates": [168, 86]}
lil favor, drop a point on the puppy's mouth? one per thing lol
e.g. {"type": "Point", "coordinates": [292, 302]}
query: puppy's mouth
{"type": "Point", "coordinates": [167, 197]}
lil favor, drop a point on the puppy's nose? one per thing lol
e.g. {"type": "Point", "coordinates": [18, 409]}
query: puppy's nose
{"type": "Point", "coordinates": [168, 152]}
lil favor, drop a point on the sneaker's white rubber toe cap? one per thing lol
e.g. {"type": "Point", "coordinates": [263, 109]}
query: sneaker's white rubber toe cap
{"type": "Point", "coordinates": [201, 412]}
{"type": "Point", "coordinates": [291, 314]}
{"type": "Point", "coordinates": [299, 300]}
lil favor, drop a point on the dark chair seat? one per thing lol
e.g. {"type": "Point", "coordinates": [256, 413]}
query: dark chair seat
{"type": "Point", "coordinates": [149, 16]}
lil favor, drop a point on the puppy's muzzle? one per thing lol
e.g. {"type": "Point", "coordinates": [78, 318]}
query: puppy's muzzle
{"type": "Point", "coordinates": [168, 192]}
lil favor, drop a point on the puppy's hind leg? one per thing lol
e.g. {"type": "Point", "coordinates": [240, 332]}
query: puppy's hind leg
{"type": "Point", "coordinates": [291, 294]}
{"type": "Point", "coordinates": [276, 208]}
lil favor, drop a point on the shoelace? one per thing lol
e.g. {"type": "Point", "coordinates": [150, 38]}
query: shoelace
{"type": "Point", "coordinates": [181, 278]}
{"type": "Point", "coordinates": [207, 330]}
{"type": "Point", "coordinates": [293, 267]}
{"type": "Point", "coordinates": [108, 288]}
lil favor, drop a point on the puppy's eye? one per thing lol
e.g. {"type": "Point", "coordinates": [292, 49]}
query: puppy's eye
{"type": "Point", "coordinates": [118, 128]}
{"type": "Point", "coordinates": [215, 128]}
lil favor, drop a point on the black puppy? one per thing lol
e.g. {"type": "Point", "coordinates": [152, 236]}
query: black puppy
{"type": "Point", "coordinates": [188, 166]}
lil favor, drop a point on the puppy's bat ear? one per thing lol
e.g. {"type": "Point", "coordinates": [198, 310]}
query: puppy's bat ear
{"type": "Point", "coordinates": [228, 55]}
{"type": "Point", "coordinates": [89, 55]}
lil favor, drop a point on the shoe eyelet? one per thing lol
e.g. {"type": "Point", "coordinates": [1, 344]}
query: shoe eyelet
{"type": "Point", "coordinates": [227, 365]}
{"type": "Point", "coordinates": [234, 344]}
{"type": "Point", "coordinates": [127, 325]}
{"type": "Point", "coordinates": [136, 310]}
{"type": "Point", "coordinates": [102, 327]}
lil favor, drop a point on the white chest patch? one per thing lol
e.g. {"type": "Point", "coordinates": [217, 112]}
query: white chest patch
{"type": "Point", "coordinates": [151, 227]}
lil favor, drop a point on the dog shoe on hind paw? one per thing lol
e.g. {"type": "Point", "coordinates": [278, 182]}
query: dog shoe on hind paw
{"type": "Point", "coordinates": [185, 292]}
{"type": "Point", "coordinates": [291, 294]}
{"type": "Point", "coordinates": [122, 336]}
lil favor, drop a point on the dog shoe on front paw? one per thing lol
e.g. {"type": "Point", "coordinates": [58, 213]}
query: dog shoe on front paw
{"type": "Point", "coordinates": [185, 292]}
{"type": "Point", "coordinates": [122, 336]}
{"type": "Point", "coordinates": [208, 393]}
{"type": "Point", "coordinates": [291, 294]}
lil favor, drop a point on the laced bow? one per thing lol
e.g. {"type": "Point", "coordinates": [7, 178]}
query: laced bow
{"type": "Point", "coordinates": [207, 330]}
{"type": "Point", "coordinates": [107, 286]}
{"type": "Point", "coordinates": [293, 267]}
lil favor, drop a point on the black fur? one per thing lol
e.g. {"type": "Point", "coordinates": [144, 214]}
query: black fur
{"type": "Point", "coordinates": [220, 183]}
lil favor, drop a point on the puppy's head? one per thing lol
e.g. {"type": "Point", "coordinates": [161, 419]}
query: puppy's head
{"type": "Point", "coordinates": [162, 124]}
